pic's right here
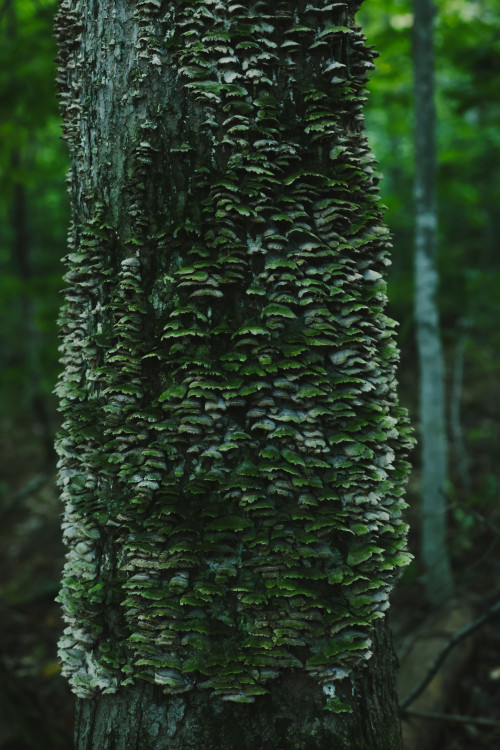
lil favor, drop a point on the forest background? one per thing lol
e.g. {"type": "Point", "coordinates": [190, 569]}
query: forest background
{"type": "Point", "coordinates": [35, 704]}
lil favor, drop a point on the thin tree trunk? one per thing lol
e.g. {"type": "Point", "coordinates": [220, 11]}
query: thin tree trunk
{"type": "Point", "coordinates": [438, 580]}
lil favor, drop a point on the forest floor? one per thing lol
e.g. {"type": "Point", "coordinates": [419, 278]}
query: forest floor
{"type": "Point", "coordinates": [36, 706]}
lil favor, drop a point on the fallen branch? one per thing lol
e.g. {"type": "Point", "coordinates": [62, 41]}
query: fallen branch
{"type": "Point", "coordinates": [464, 633]}
{"type": "Point", "coordinates": [435, 716]}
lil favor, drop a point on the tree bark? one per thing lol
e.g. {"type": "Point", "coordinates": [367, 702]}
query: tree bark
{"type": "Point", "coordinates": [291, 717]}
{"type": "Point", "coordinates": [232, 457]}
{"type": "Point", "coordinates": [438, 578]}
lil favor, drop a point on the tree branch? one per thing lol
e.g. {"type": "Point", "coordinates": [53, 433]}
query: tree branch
{"type": "Point", "coordinates": [464, 633]}
{"type": "Point", "coordinates": [434, 716]}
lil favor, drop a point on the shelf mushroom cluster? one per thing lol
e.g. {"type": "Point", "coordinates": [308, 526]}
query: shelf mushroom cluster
{"type": "Point", "coordinates": [233, 456]}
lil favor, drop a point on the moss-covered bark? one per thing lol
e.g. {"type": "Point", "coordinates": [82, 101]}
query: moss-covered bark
{"type": "Point", "coordinates": [232, 454]}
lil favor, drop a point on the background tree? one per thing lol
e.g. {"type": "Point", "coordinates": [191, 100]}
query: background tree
{"type": "Point", "coordinates": [231, 452]}
{"type": "Point", "coordinates": [467, 298]}
{"type": "Point", "coordinates": [438, 580]}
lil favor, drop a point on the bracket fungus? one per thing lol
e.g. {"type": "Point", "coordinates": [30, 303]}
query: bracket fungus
{"type": "Point", "coordinates": [232, 457]}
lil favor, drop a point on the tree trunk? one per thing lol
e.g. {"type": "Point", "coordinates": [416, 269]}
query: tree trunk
{"type": "Point", "coordinates": [291, 717]}
{"type": "Point", "coordinates": [232, 457]}
{"type": "Point", "coordinates": [438, 580]}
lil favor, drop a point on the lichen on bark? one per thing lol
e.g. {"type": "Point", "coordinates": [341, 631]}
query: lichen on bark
{"type": "Point", "coordinates": [232, 458]}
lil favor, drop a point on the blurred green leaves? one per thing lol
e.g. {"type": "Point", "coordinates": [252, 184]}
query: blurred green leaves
{"type": "Point", "coordinates": [468, 112]}
{"type": "Point", "coordinates": [34, 210]}
{"type": "Point", "coordinates": [468, 66]}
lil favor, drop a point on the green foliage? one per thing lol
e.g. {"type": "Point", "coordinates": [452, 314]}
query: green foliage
{"type": "Point", "coordinates": [33, 204]}
{"type": "Point", "coordinates": [467, 68]}
{"type": "Point", "coordinates": [467, 65]}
